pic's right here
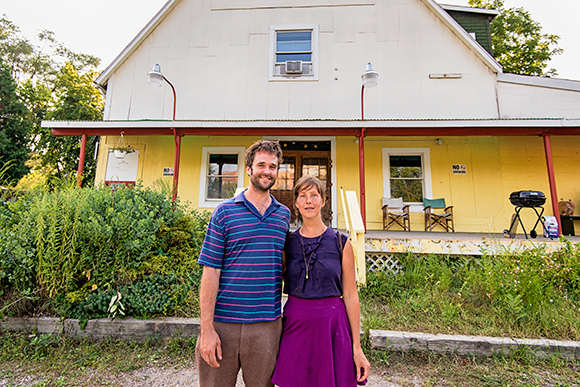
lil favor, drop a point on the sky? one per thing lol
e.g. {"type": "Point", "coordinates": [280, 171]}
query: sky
{"type": "Point", "coordinates": [103, 28]}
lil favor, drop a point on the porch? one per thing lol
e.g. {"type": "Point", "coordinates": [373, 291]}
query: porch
{"type": "Point", "coordinates": [453, 243]}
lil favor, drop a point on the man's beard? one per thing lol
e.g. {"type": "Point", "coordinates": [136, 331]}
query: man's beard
{"type": "Point", "coordinates": [259, 185]}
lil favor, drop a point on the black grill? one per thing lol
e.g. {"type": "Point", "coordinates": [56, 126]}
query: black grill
{"type": "Point", "coordinates": [528, 198]}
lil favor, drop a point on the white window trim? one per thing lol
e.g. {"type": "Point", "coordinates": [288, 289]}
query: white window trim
{"type": "Point", "coordinates": [205, 152]}
{"type": "Point", "coordinates": [272, 54]}
{"type": "Point", "coordinates": [426, 167]}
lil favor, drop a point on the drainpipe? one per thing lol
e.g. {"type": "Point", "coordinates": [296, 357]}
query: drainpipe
{"type": "Point", "coordinates": [552, 180]}
{"type": "Point", "coordinates": [82, 160]}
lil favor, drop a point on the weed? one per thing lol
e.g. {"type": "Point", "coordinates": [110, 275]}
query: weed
{"type": "Point", "coordinates": [532, 294]}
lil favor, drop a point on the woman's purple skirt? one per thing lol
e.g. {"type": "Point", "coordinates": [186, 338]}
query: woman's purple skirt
{"type": "Point", "coordinates": [316, 345]}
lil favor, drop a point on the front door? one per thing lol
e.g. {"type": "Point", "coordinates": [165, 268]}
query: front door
{"type": "Point", "coordinates": [304, 158]}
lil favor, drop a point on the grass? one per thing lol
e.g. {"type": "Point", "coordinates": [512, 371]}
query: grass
{"type": "Point", "coordinates": [50, 360]}
{"type": "Point", "coordinates": [47, 360]}
{"type": "Point", "coordinates": [425, 369]}
{"type": "Point", "coordinates": [532, 294]}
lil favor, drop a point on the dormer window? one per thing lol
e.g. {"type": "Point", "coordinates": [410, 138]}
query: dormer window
{"type": "Point", "coordinates": [294, 52]}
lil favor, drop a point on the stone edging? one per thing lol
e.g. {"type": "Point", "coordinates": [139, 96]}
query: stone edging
{"type": "Point", "coordinates": [471, 345]}
{"type": "Point", "coordinates": [129, 328]}
{"type": "Point", "coordinates": [134, 329]}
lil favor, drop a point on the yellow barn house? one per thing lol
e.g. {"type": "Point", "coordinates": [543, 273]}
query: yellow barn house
{"type": "Point", "coordinates": [443, 121]}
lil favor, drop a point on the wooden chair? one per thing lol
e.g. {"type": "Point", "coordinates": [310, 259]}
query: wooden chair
{"type": "Point", "coordinates": [395, 212]}
{"type": "Point", "coordinates": [443, 219]}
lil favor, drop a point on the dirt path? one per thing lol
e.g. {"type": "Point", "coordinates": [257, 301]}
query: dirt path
{"type": "Point", "coordinates": [159, 377]}
{"type": "Point", "coordinates": [153, 376]}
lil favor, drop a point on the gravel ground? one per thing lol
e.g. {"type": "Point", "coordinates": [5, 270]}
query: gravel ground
{"type": "Point", "coordinates": [153, 376]}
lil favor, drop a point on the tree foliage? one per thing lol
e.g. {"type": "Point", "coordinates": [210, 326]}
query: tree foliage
{"type": "Point", "coordinates": [54, 83]}
{"type": "Point", "coordinates": [14, 129]}
{"type": "Point", "coordinates": [518, 42]}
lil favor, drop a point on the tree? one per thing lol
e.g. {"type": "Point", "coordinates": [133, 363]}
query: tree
{"type": "Point", "coordinates": [54, 83]}
{"type": "Point", "coordinates": [76, 99]}
{"type": "Point", "coordinates": [518, 42]}
{"type": "Point", "coordinates": [14, 129]}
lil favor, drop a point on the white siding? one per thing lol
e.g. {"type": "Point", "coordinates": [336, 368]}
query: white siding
{"type": "Point", "coordinates": [217, 59]}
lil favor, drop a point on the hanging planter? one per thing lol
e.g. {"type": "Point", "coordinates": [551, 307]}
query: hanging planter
{"type": "Point", "coordinates": [120, 154]}
{"type": "Point", "coordinates": [120, 150]}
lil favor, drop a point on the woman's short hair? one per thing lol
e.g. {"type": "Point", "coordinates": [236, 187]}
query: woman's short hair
{"type": "Point", "coordinates": [307, 182]}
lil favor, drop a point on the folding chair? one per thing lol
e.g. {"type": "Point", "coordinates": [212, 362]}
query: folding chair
{"type": "Point", "coordinates": [395, 212]}
{"type": "Point", "coordinates": [443, 219]}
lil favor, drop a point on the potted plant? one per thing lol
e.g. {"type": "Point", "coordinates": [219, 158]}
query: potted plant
{"type": "Point", "coordinates": [121, 151]}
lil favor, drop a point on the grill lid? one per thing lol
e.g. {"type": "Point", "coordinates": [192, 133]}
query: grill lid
{"type": "Point", "coordinates": [528, 198]}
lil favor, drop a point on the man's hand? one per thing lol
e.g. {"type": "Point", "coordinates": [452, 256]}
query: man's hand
{"type": "Point", "coordinates": [210, 347]}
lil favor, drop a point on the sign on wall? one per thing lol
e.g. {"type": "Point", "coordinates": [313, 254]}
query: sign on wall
{"type": "Point", "coordinates": [459, 169]}
{"type": "Point", "coordinates": [167, 172]}
{"type": "Point", "coordinates": [122, 170]}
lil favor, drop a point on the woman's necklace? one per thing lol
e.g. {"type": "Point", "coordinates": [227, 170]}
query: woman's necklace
{"type": "Point", "coordinates": [307, 263]}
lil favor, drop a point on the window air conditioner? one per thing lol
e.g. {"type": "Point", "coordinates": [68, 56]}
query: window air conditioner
{"type": "Point", "coordinates": [294, 67]}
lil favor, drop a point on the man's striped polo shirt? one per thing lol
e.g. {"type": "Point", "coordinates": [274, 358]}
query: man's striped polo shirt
{"type": "Point", "coordinates": [247, 247]}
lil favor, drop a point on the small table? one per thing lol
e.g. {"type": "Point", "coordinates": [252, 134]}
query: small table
{"type": "Point", "coordinates": [567, 222]}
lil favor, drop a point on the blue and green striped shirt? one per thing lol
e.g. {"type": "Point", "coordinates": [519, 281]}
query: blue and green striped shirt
{"type": "Point", "coordinates": [247, 248]}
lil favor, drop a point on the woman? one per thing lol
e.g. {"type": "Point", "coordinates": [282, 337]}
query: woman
{"type": "Point", "coordinates": [320, 343]}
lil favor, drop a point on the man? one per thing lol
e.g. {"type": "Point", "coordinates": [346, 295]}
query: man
{"type": "Point", "coordinates": [240, 292]}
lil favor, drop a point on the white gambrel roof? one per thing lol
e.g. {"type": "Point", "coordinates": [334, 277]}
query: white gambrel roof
{"type": "Point", "coordinates": [170, 5]}
{"type": "Point", "coordinates": [136, 42]}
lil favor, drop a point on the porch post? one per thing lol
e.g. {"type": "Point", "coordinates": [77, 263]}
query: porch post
{"type": "Point", "coordinates": [552, 180]}
{"type": "Point", "coordinates": [177, 138]}
{"type": "Point", "coordinates": [361, 172]}
{"type": "Point", "coordinates": [361, 161]}
{"type": "Point", "coordinates": [81, 160]}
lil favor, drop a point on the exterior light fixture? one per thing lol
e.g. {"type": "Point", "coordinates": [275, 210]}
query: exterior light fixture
{"type": "Point", "coordinates": [155, 77]}
{"type": "Point", "coordinates": [370, 78]}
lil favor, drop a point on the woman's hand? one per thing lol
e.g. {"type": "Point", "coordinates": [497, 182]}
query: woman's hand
{"type": "Point", "coordinates": [363, 366]}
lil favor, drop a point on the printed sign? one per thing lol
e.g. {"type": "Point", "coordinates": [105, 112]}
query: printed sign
{"type": "Point", "coordinates": [122, 169]}
{"type": "Point", "coordinates": [167, 172]}
{"type": "Point", "coordinates": [459, 169]}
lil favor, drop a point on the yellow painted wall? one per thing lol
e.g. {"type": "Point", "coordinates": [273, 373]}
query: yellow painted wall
{"type": "Point", "coordinates": [496, 166]}
{"type": "Point", "coordinates": [158, 152]}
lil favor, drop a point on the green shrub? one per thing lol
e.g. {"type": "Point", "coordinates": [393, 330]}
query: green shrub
{"type": "Point", "coordinates": [74, 247]}
{"type": "Point", "coordinates": [532, 293]}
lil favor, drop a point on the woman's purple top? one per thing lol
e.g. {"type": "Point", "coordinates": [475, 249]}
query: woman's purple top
{"type": "Point", "coordinates": [325, 268]}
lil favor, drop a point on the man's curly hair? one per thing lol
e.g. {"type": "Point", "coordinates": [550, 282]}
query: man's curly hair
{"type": "Point", "coordinates": [271, 147]}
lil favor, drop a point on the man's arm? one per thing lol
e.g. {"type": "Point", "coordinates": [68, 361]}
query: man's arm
{"type": "Point", "coordinates": [210, 345]}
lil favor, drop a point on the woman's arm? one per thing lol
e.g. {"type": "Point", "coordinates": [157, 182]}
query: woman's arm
{"type": "Point", "coordinates": [351, 301]}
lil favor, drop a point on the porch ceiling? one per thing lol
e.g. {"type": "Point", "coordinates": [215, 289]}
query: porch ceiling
{"type": "Point", "coordinates": [321, 127]}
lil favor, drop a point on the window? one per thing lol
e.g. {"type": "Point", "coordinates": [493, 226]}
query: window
{"type": "Point", "coordinates": [294, 52]}
{"type": "Point", "coordinates": [222, 172]}
{"type": "Point", "coordinates": [407, 174]}
{"type": "Point", "coordinates": [286, 175]}
{"type": "Point", "coordinates": [293, 45]}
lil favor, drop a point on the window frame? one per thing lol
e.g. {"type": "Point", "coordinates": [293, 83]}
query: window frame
{"type": "Point", "coordinates": [314, 28]}
{"type": "Point", "coordinates": [425, 167]}
{"type": "Point", "coordinates": [205, 202]}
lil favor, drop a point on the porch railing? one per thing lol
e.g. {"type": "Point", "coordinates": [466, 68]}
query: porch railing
{"type": "Point", "coordinates": [356, 228]}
